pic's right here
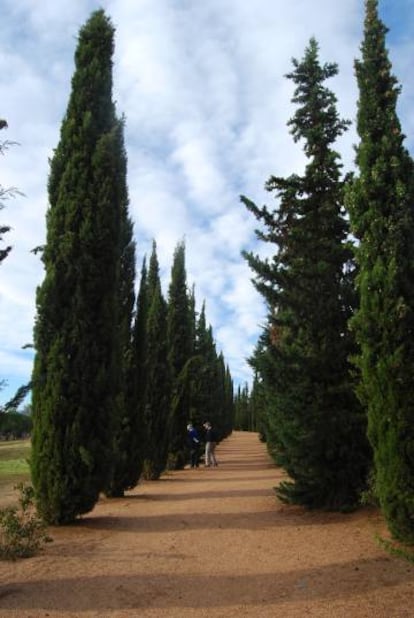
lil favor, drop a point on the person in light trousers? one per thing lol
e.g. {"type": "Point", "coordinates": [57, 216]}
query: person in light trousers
{"type": "Point", "coordinates": [211, 441]}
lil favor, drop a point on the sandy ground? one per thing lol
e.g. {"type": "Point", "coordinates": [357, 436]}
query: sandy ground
{"type": "Point", "coordinates": [212, 542]}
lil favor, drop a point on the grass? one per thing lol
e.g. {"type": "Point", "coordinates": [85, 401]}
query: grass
{"type": "Point", "coordinates": [14, 466]}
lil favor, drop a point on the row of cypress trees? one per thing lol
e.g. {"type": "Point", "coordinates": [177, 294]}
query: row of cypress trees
{"type": "Point", "coordinates": [335, 359]}
{"type": "Point", "coordinates": [115, 379]}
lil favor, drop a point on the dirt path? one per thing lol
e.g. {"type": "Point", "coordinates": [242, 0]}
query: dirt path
{"type": "Point", "coordinates": [211, 542]}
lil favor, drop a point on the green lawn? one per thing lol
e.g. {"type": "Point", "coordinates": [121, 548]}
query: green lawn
{"type": "Point", "coordinates": [14, 467]}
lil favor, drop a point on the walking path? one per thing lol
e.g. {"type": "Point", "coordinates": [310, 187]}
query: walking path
{"type": "Point", "coordinates": [211, 542]}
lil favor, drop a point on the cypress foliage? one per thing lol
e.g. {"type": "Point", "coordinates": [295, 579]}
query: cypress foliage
{"type": "Point", "coordinates": [209, 407]}
{"type": "Point", "coordinates": [127, 439]}
{"type": "Point", "coordinates": [225, 397]}
{"type": "Point", "coordinates": [242, 418]}
{"type": "Point", "coordinates": [382, 216]}
{"type": "Point", "coordinates": [318, 427]}
{"type": "Point", "coordinates": [180, 351]}
{"type": "Point", "coordinates": [138, 379]}
{"type": "Point", "coordinates": [76, 374]}
{"type": "Point", "coordinates": [249, 412]}
{"type": "Point", "coordinates": [158, 377]}
{"type": "Point", "coordinates": [229, 400]}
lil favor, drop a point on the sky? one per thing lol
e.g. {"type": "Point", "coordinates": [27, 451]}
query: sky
{"type": "Point", "coordinates": [203, 89]}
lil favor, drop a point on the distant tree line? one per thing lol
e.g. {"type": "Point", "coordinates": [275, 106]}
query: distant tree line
{"type": "Point", "coordinates": [15, 425]}
{"type": "Point", "coordinates": [334, 363]}
{"type": "Point", "coordinates": [116, 378]}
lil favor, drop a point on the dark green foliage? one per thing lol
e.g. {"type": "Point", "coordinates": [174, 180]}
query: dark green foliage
{"type": "Point", "coordinates": [76, 377]}
{"type": "Point", "coordinates": [228, 401]}
{"type": "Point", "coordinates": [204, 386]}
{"type": "Point", "coordinates": [224, 398]}
{"type": "Point", "coordinates": [242, 413]}
{"type": "Point", "coordinates": [381, 208]}
{"type": "Point", "coordinates": [137, 384]}
{"type": "Point", "coordinates": [210, 398]}
{"type": "Point", "coordinates": [126, 459]}
{"type": "Point", "coordinates": [248, 409]}
{"type": "Point", "coordinates": [158, 379]}
{"type": "Point", "coordinates": [180, 351]}
{"type": "Point", "coordinates": [14, 425]}
{"type": "Point", "coordinates": [315, 426]}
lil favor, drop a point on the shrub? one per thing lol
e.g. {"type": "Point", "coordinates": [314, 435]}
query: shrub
{"type": "Point", "coordinates": [22, 531]}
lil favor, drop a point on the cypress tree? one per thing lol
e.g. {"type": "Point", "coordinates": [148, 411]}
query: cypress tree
{"type": "Point", "coordinates": [242, 409]}
{"type": "Point", "coordinates": [126, 456]}
{"type": "Point", "coordinates": [206, 380]}
{"type": "Point", "coordinates": [382, 216]}
{"type": "Point", "coordinates": [180, 351]}
{"type": "Point", "coordinates": [157, 373]}
{"type": "Point", "coordinates": [76, 374]}
{"type": "Point", "coordinates": [318, 427]}
{"type": "Point", "coordinates": [229, 401]}
{"type": "Point", "coordinates": [139, 346]}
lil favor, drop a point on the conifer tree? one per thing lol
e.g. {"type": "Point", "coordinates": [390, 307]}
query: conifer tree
{"type": "Point", "coordinates": [229, 401]}
{"type": "Point", "coordinates": [242, 409]}
{"type": "Point", "coordinates": [158, 377]}
{"type": "Point", "coordinates": [381, 204]}
{"type": "Point", "coordinates": [180, 351]}
{"type": "Point", "coordinates": [76, 369]}
{"type": "Point", "coordinates": [140, 345]}
{"type": "Point", "coordinates": [206, 387]}
{"type": "Point", "coordinates": [318, 425]}
{"type": "Point", "coordinates": [224, 398]}
{"type": "Point", "coordinates": [126, 439]}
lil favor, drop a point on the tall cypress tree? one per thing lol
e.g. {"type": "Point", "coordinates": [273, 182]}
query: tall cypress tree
{"type": "Point", "coordinates": [381, 204]}
{"type": "Point", "coordinates": [157, 374]}
{"type": "Point", "coordinates": [138, 380]}
{"type": "Point", "coordinates": [127, 439]}
{"type": "Point", "coordinates": [229, 399]}
{"type": "Point", "coordinates": [180, 350]}
{"type": "Point", "coordinates": [319, 427]}
{"type": "Point", "coordinates": [76, 374]}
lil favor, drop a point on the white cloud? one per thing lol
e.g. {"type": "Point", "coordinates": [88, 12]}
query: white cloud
{"type": "Point", "coordinates": [206, 102]}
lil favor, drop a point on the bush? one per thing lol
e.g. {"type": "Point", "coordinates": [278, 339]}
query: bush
{"type": "Point", "coordinates": [22, 531]}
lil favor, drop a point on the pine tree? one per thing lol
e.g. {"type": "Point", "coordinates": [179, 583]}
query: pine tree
{"type": "Point", "coordinates": [318, 426]}
{"type": "Point", "coordinates": [76, 372]}
{"type": "Point", "coordinates": [158, 377]}
{"type": "Point", "coordinates": [180, 351]}
{"type": "Point", "coordinates": [382, 216]}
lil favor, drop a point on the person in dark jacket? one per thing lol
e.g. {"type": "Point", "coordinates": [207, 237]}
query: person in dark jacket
{"type": "Point", "coordinates": [211, 441]}
{"type": "Point", "coordinates": [193, 442]}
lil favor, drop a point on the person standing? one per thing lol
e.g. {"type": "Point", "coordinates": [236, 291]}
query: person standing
{"type": "Point", "coordinates": [211, 441]}
{"type": "Point", "coordinates": [193, 441]}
